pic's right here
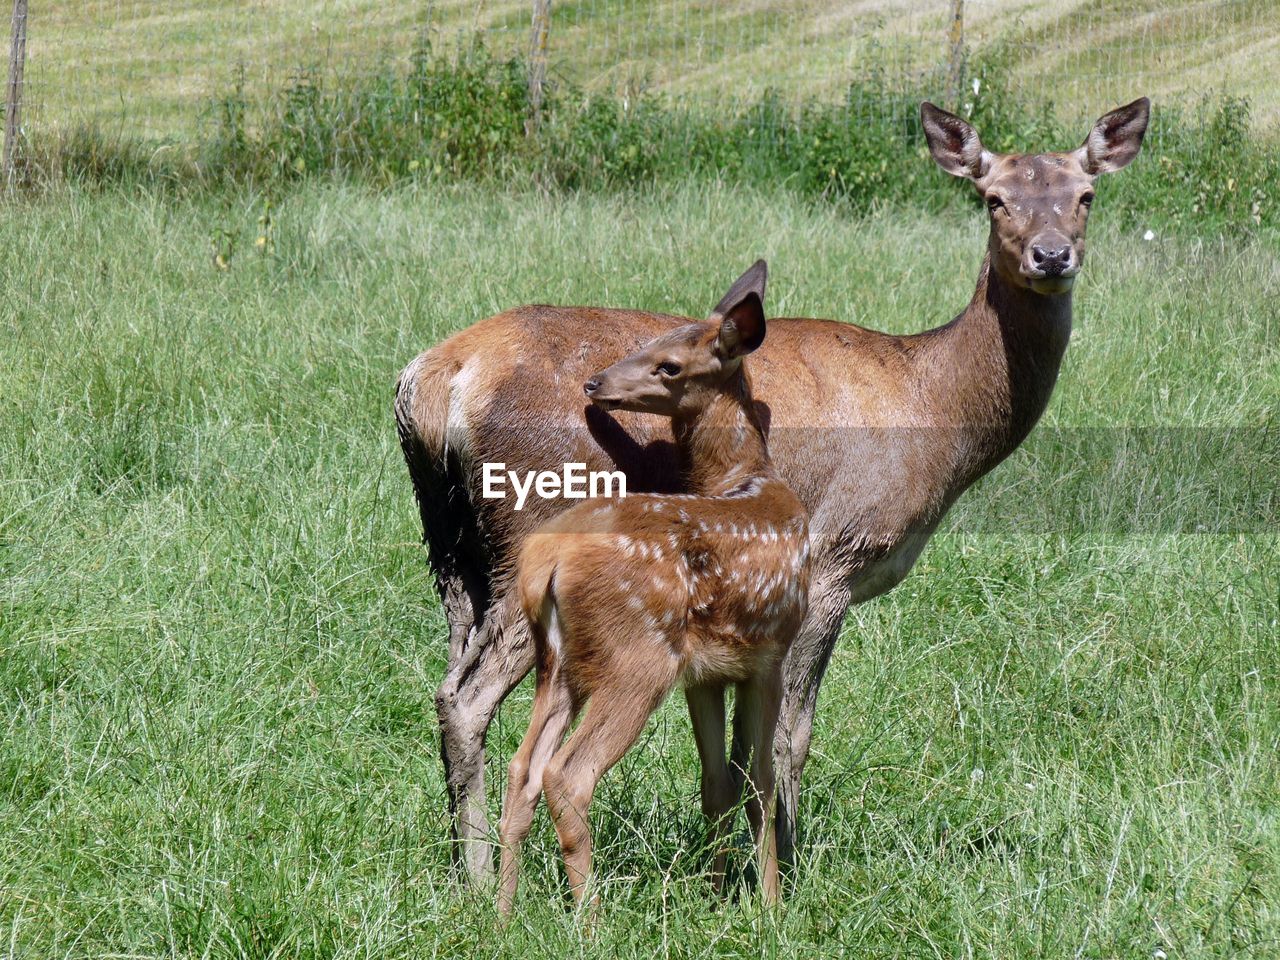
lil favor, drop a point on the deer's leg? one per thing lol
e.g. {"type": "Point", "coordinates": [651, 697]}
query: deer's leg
{"type": "Point", "coordinates": [802, 674]}
{"type": "Point", "coordinates": [552, 714]}
{"type": "Point", "coordinates": [720, 789]}
{"type": "Point", "coordinates": [615, 716]}
{"type": "Point", "coordinates": [460, 613]}
{"type": "Point", "coordinates": [460, 606]}
{"type": "Point", "coordinates": [759, 700]}
{"type": "Point", "coordinates": [496, 657]}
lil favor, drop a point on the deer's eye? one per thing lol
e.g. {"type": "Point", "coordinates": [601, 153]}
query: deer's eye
{"type": "Point", "coordinates": [1087, 199]}
{"type": "Point", "coordinates": [994, 203]}
{"type": "Point", "coordinates": [667, 368]}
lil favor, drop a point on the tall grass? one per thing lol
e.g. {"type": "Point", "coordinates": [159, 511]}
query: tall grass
{"type": "Point", "coordinates": [463, 118]}
{"type": "Point", "coordinates": [219, 642]}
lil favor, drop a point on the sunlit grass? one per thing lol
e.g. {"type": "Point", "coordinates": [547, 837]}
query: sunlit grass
{"type": "Point", "coordinates": [219, 641]}
{"type": "Point", "coordinates": [154, 69]}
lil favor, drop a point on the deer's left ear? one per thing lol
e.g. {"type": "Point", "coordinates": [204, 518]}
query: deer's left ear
{"type": "Point", "coordinates": [741, 328]}
{"type": "Point", "coordinates": [1116, 138]}
{"type": "Point", "coordinates": [741, 314]}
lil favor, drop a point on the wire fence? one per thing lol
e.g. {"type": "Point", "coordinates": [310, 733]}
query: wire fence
{"type": "Point", "coordinates": [152, 69]}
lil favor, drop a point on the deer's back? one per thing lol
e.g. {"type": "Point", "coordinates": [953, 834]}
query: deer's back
{"type": "Point", "coordinates": [717, 583]}
{"type": "Point", "coordinates": [834, 399]}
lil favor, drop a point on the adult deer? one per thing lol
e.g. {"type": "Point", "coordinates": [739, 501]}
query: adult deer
{"type": "Point", "coordinates": [629, 597]}
{"type": "Point", "coordinates": [877, 434]}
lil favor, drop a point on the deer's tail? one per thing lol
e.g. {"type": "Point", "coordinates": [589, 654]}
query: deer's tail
{"type": "Point", "coordinates": [535, 584]}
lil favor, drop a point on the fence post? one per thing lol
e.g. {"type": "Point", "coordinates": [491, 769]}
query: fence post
{"type": "Point", "coordinates": [955, 37]}
{"type": "Point", "coordinates": [538, 62]}
{"type": "Point", "coordinates": [13, 93]}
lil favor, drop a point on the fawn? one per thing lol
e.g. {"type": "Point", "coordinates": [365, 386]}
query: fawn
{"type": "Point", "coordinates": [628, 597]}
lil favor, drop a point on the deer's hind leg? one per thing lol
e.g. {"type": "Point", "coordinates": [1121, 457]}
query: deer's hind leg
{"type": "Point", "coordinates": [495, 657]}
{"type": "Point", "coordinates": [553, 711]}
{"type": "Point", "coordinates": [615, 716]}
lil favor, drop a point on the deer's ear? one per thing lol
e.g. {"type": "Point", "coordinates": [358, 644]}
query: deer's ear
{"type": "Point", "coordinates": [1116, 138]}
{"type": "Point", "coordinates": [955, 145]}
{"type": "Point", "coordinates": [742, 327]}
{"type": "Point", "coordinates": [740, 313]}
{"type": "Point", "coordinates": [753, 281]}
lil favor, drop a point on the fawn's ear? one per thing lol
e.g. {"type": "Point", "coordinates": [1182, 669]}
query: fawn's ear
{"type": "Point", "coordinates": [741, 313]}
{"type": "Point", "coordinates": [752, 281]}
{"type": "Point", "coordinates": [955, 145]}
{"type": "Point", "coordinates": [1116, 138]}
{"type": "Point", "coordinates": [742, 328]}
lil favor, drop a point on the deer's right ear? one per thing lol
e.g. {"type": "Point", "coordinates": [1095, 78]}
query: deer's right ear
{"type": "Point", "coordinates": [954, 144]}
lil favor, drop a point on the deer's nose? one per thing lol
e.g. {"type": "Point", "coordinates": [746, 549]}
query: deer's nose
{"type": "Point", "coordinates": [1053, 259]}
{"type": "Point", "coordinates": [591, 386]}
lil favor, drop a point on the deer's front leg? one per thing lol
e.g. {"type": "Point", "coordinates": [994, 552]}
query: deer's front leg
{"type": "Point", "coordinates": [759, 702]}
{"type": "Point", "coordinates": [802, 673]}
{"type": "Point", "coordinates": [720, 789]}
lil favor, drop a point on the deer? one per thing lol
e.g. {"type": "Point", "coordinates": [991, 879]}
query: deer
{"type": "Point", "coordinates": [629, 597]}
{"type": "Point", "coordinates": [877, 434]}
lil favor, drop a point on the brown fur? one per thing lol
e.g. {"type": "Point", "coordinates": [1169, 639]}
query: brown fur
{"type": "Point", "coordinates": [627, 598]}
{"type": "Point", "coordinates": [876, 434]}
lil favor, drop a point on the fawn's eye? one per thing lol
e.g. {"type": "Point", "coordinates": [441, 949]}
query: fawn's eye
{"type": "Point", "coordinates": [994, 203]}
{"type": "Point", "coordinates": [1087, 199]}
{"type": "Point", "coordinates": [668, 368]}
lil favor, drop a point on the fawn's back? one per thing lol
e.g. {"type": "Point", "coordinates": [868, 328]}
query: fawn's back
{"type": "Point", "coordinates": [715, 582]}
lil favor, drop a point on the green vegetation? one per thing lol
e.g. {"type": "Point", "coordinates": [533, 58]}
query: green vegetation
{"type": "Point", "coordinates": [150, 69]}
{"type": "Point", "coordinates": [218, 636]}
{"type": "Point", "coordinates": [219, 642]}
{"type": "Point", "coordinates": [444, 119]}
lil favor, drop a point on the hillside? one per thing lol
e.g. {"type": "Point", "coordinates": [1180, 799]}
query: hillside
{"type": "Point", "coordinates": [153, 68]}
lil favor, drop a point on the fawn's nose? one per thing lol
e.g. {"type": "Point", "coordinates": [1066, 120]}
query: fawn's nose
{"type": "Point", "coordinates": [591, 386]}
{"type": "Point", "coordinates": [1053, 259]}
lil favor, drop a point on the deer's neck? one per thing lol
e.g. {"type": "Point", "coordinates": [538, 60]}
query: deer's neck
{"type": "Point", "coordinates": [996, 365]}
{"type": "Point", "coordinates": [723, 447]}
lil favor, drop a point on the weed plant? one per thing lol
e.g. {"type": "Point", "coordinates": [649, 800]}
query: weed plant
{"type": "Point", "coordinates": [464, 118]}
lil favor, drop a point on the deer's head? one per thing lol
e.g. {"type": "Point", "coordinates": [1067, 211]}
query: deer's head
{"type": "Point", "coordinates": [679, 373]}
{"type": "Point", "coordinates": [1038, 202]}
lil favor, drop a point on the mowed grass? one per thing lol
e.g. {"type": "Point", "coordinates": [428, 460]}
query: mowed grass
{"type": "Point", "coordinates": [219, 641]}
{"type": "Point", "coordinates": [157, 69]}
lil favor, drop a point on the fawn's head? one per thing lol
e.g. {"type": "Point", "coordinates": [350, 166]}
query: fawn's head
{"type": "Point", "coordinates": [681, 372]}
{"type": "Point", "coordinates": [1038, 202]}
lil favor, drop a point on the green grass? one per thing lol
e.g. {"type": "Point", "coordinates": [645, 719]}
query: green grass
{"type": "Point", "coordinates": [154, 71]}
{"type": "Point", "coordinates": [219, 644]}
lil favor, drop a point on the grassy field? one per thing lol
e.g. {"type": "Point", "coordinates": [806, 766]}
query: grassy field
{"type": "Point", "coordinates": [155, 68]}
{"type": "Point", "coordinates": [219, 643]}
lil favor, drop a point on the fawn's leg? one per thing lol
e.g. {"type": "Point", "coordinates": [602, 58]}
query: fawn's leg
{"type": "Point", "coordinates": [803, 669]}
{"type": "Point", "coordinates": [720, 789]}
{"type": "Point", "coordinates": [615, 716]}
{"type": "Point", "coordinates": [759, 700]}
{"type": "Point", "coordinates": [552, 713]}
